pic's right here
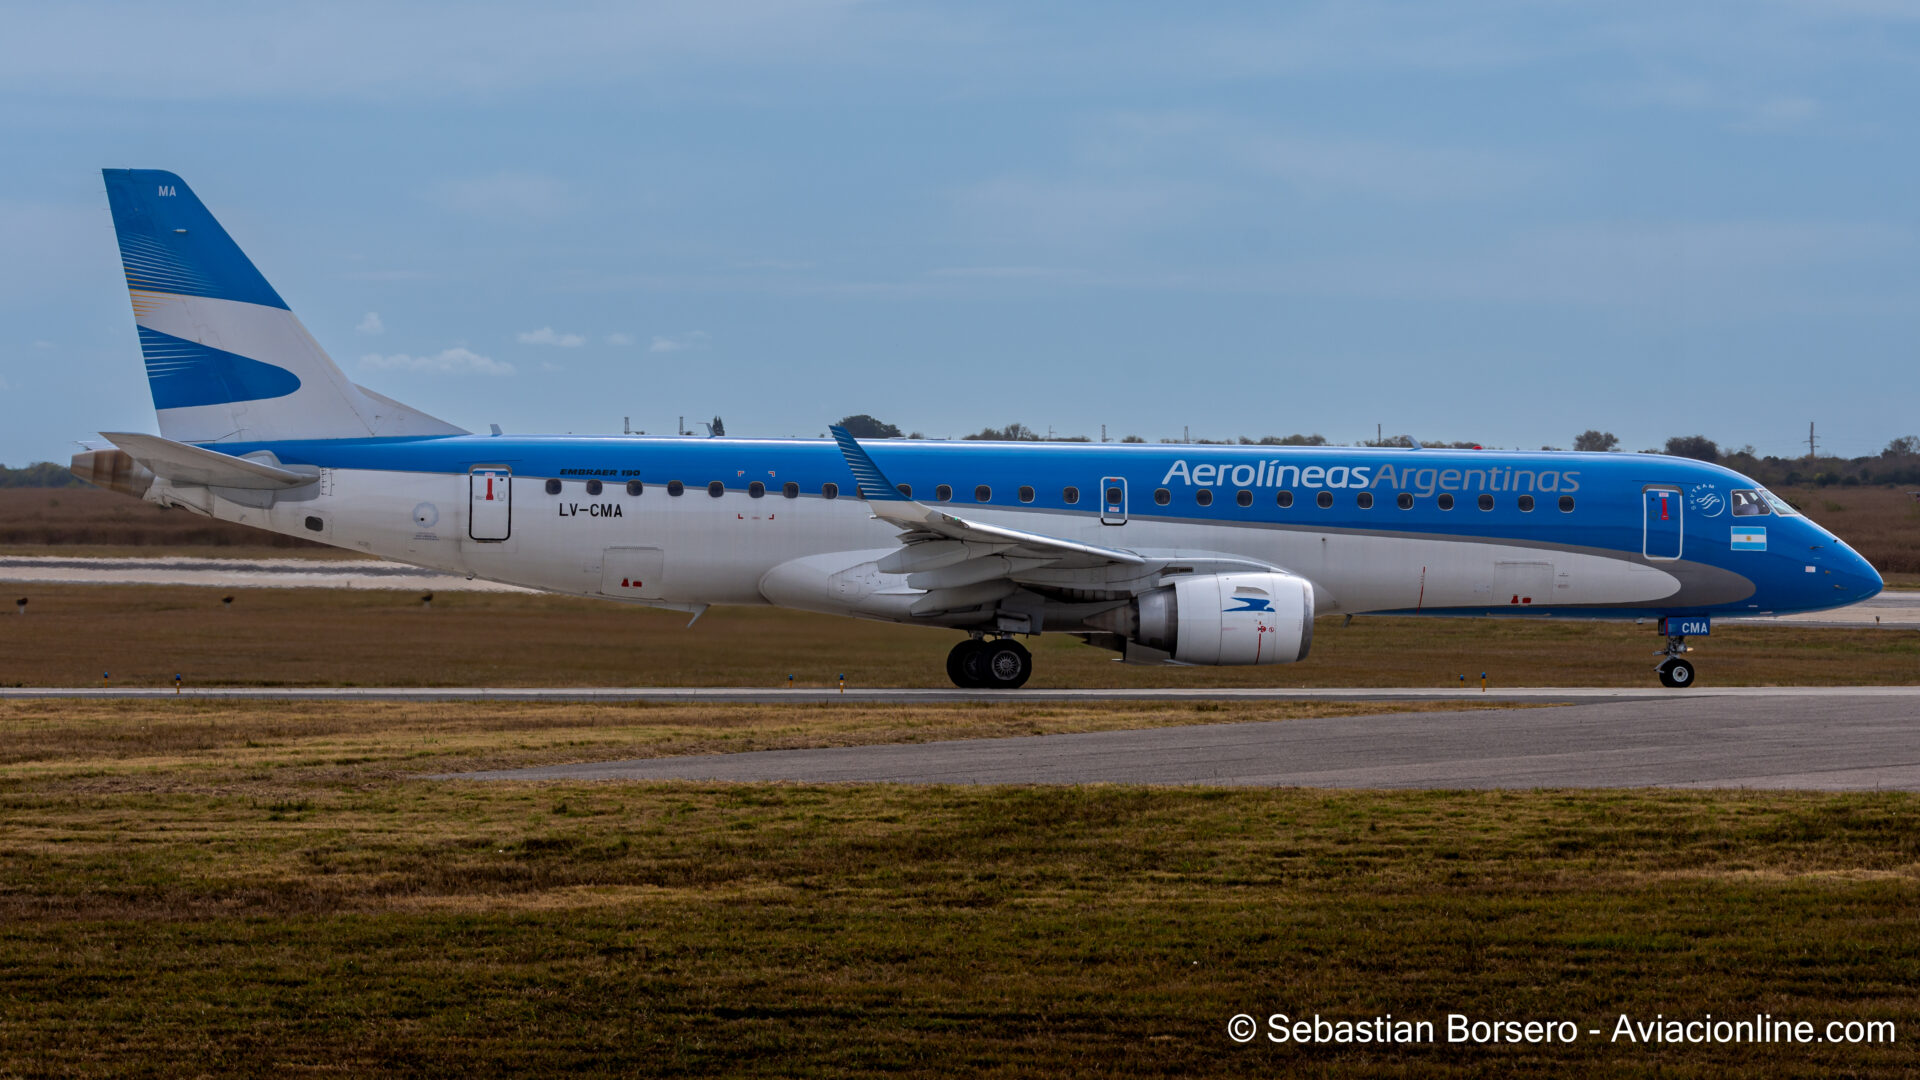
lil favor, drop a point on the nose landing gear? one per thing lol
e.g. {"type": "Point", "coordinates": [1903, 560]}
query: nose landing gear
{"type": "Point", "coordinates": [1676, 672]}
{"type": "Point", "coordinates": [980, 663]}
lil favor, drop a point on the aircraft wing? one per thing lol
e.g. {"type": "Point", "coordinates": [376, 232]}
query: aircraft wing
{"type": "Point", "coordinates": [925, 523]}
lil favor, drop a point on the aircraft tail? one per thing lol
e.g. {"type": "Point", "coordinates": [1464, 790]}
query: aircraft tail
{"type": "Point", "coordinates": [227, 361]}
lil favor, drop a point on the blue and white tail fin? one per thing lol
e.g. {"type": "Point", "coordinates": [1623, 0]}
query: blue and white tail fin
{"type": "Point", "coordinates": [226, 359]}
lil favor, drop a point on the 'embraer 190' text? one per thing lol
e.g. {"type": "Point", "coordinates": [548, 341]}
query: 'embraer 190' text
{"type": "Point", "coordinates": [1422, 481]}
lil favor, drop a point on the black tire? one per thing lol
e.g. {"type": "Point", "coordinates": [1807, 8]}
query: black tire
{"type": "Point", "coordinates": [1676, 674]}
{"type": "Point", "coordinates": [963, 664]}
{"type": "Point", "coordinates": [1005, 665]}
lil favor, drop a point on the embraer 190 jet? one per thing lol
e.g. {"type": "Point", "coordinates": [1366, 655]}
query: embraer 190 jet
{"type": "Point", "coordinates": [1169, 554]}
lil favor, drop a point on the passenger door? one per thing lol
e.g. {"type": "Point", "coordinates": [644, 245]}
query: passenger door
{"type": "Point", "coordinates": [1113, 500]}
{"type": "Point", "coordinates": [490, 503]}
{"type": "Point", "coordinates": [1662, 528]}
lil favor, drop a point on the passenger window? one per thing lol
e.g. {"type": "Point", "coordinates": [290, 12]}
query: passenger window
{"type": "Point", "coordinates": [1445, 500]}
{"type": "Point", "coordinates": [1113, 495]}
{"type": "Point", "coordinates": [675, 487]}
{"type": "Point", "coordinates": [1204, 496]}
{"type": "Point", "coordinates": [756, 489]}
{"type": "Point", "coordinates": [944, 493]}
{"type": "Point", "coordinates": [553, 487]}
{"type": "Point", "coordinates": [1405, 501]}
{"type": "Point", "coordinates": [1071, 496]}
{"type": "Point", "coordinates": [1486, 502]}
{"type": "Point", "coordinates": [790, 489]}
{"type": "Point", "coordinates": [983, 493]}
{"type": "Point", "coordinates": [593, 487]}
{"type": "Point", "coordinates": [1026, 494]}
{"type": "Point", "coordinates": [1747, 503]}
{"type": "Point", "coordinates": [1245, 498]}
{"type": "Point", "coordinates": [1161, 496]}
{"type": "Point", "coordinates": [1566, 504]}
{"type": "Point", "coordinates": [829, 490]}
{"type": "Point", "coordinates": [906, 490]}
{"type": "Point", "coordinates": [1323, 500]}
{"type": "Point", "coordinates": [634, 487]}
{"type": "Point", "coordinates": [1364, 500]}
{"type": "Point", "coordinates": [1284, 499]}
{"type": "Point", "coordinates": [716, 489]}
{"type": "Point", "coordinates": [1526, 504]}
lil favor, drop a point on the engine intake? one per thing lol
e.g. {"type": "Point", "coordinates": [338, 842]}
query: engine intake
{"type": "Point", "coordinates": [1221, 619]}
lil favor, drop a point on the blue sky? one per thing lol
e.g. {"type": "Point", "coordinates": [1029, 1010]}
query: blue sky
{"type": "Point", "coordinates": [1500, 221]}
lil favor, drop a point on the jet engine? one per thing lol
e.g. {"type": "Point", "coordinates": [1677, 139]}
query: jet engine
{"type": "Point", "coordinates": [1251, 618]}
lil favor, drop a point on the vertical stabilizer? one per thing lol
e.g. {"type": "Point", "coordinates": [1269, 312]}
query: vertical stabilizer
{"type": "Point", "coordinates": [227, 361]}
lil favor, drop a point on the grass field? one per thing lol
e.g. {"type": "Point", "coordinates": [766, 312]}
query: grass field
{"type": "Point", "coordinates": [193, 889]}
{"type": "Point", "coordinates": [323, 637]}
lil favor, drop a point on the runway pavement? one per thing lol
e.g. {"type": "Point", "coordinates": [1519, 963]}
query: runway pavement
{"type": "Point", "coordinates": [1801, 738]}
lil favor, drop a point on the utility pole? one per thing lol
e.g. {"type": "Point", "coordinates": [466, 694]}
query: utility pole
{"type": "Point", "coordinates": [1810, 443]}
{"type": "Point", "coordinates": [1186, 434]}
{"type": "Point", "coordinates": [1379, 436]}
{"type": "Point", "coordinates": [1103, 433]}
{"type": "Point", "coordinates": [626, 425]}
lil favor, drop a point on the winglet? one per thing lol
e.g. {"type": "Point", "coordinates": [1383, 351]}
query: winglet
{"type": "Point", "coordinates": [873, 483]}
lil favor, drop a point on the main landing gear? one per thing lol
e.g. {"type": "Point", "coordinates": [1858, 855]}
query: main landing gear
{"type": "Point", "coordinates": [980, 663]}
{"type": "Point", "coordinates": [1676, 673]}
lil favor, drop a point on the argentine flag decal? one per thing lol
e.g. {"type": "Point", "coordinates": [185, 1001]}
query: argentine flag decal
{"type": "Point", "coordinates": [1749, 538]}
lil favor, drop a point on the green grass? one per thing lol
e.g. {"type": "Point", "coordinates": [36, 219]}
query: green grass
{"type": "Point", "coordinates": [191, 889]}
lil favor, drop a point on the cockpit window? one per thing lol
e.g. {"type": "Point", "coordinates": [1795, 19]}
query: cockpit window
{"type": "Point", "coordinates": [1748, 503]}
{"type": "Point", "coordinates": [1780, 505]}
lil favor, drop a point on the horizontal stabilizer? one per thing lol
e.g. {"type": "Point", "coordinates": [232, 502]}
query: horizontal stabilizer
{"type": "Point", "coordinates": [184, 464]}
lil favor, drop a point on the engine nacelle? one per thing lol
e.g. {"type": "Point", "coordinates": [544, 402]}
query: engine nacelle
{"type": "Point", "coordinates": [1221, 619]}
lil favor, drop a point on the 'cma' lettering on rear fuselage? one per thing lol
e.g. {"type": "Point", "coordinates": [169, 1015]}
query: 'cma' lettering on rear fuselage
{"type": "Point", "coordinates": [1422, 481]}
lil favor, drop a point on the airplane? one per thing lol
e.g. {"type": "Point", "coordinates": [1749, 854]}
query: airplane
{"type": "Point", "coordinates": [1191, 555]}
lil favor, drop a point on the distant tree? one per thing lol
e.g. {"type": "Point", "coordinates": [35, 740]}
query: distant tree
{"type": "Point", "coordinates": [1596, 440]}
{"type": "Point", "coordinates": [1015, 432]}
{"type": "Point", "coordinates": [1904, 446]}
{"type": "Point", "coordinates": [1294, 440]}
{"type": "Point", "coordinates": [1698, 447]}
{"type": "Point", "coordinates": [1554, 449]}
{"type": "Point", "coordinates": [862, 426]}
{"type": "Point", "coordinates": [1133, 439]}
{"type": "Point", "coordinates": [41, 474]}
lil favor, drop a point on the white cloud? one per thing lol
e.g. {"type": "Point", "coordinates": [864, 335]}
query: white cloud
{"type": "Point", "coordinates": [687, 342]}
{"type": "Point", "coordinates": [619, 339]}
{"type": "Point", "coordinates": [455, 361]}
{"type": "Point", "coordinates": [371, 324]}
{"type": "Point", "coordinates": [42, 343]}
{"type": "Point", "coordinates": [547, 335]}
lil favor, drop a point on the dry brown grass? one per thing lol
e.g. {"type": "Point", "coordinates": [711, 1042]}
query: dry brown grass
{"type": "Point", "coordinates": [197, 889]}
{"type": "Point", "coordinates": [1881, 523]}
{"type": "Point", "coordinates": [189, 744]}
{"type": "Point", "coordinates": [326, 637]}
{"type": "Point", "coordinates": [32, 519]}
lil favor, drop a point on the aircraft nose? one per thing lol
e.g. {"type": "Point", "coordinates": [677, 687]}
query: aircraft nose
{"type": "Point", "coordinates": [1860, 577]}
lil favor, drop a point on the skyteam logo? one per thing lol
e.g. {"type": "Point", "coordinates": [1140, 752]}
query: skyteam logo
{"type": "Point", "coordinates": [1706, 500]}
{"type": "Point", "coordinates": [1251, 603]}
